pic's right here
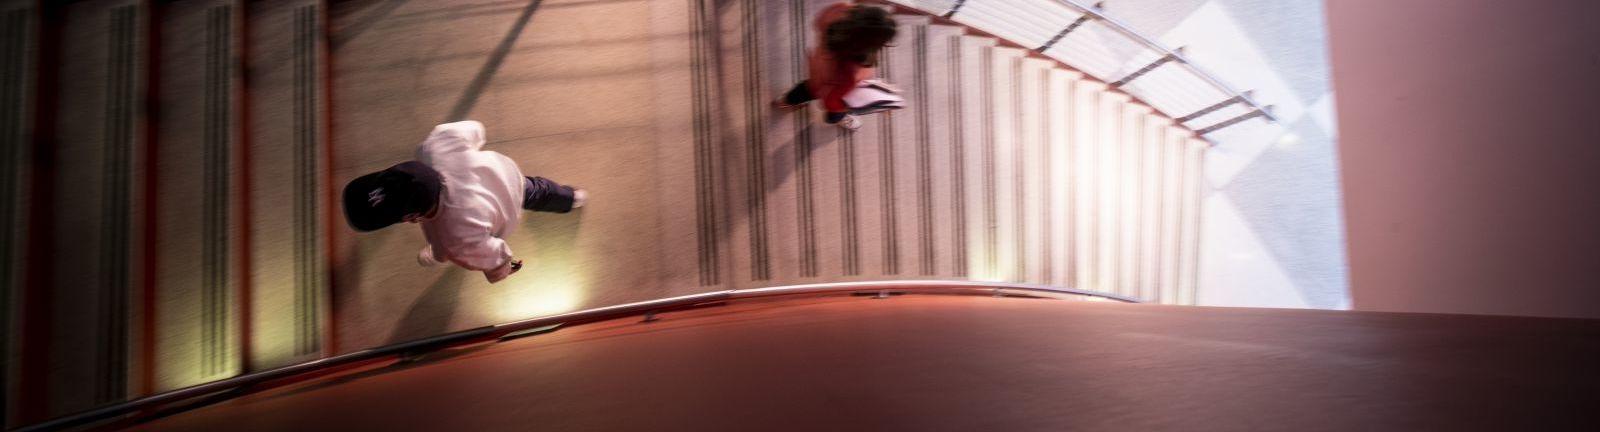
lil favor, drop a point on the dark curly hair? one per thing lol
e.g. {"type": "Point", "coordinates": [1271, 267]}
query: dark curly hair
{"type": "Point", "coordinates": [860, 34]}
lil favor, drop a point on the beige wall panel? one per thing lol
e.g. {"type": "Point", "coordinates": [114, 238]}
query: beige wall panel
{"type": "Point", "coordinates": [1001, 164]}
{"type": "Point", "coordinates": [286, 153]}
{"type": "Point", "coordinates": [1127, 197]}
{"type": "Point", "coordinates": [98, 174]}
{"type": "Point", "coordinates": [1085, 123]}
{"type": "Point", "coordinates": [1172, 208]}
{"type": "Point", "coordinates": [197, 332]}
{"type": "Point", "coordinates": [1028, 155]}
{"type": "Point", "coordinates": [972, 132]}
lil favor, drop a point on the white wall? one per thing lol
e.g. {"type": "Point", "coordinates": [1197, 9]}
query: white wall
{"type": "Point", "coordinates": [1470, 141]}
{"type": "Point", "coordinates": [1272, 227]}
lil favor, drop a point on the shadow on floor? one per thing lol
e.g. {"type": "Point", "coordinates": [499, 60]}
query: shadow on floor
{"type": "Point", "coordinates": [356, 28]}
{"type": "Point", "coordinates": [432, 312]}
{"type": "Point", "coordinates": [469, 97]}
{"type": "Point", "coordinates": [784, 157]}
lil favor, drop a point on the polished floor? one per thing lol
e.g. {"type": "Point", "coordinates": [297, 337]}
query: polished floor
{"type": "Point", "coordinates": [935, 362]}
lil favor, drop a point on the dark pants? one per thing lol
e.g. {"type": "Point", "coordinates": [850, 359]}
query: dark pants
{"type": "Point", "coordinates": [801, 93]}
{"type": "Point", "coordinates": [541, 194]}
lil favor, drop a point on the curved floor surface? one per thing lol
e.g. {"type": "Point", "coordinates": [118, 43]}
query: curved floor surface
{"type": "Point", "coordinates": [931, 362]}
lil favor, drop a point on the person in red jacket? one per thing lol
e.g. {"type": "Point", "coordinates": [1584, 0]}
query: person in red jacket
{"type": "Point", "coordinates": [849, 38]}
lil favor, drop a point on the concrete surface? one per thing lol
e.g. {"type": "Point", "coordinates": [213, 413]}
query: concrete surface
{"type": "Point", "coordinates": [928, 362]}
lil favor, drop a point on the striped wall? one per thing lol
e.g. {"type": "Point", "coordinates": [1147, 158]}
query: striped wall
{"type": "Point", "coordinates": [287, 187]}
{"type": "Point", "coordinates": [1004, 166]}
{"type": "Point", "coordinates": [150, 150]}
{"type": "Point", "coordinates": [98, 171]}
{"type": "Point", "coordinates": [194, 168]}
{"type": "Point", "coordinates": [197, 325]}
{"type": "Point", "coordinates": [17, 49]}
{"type": "Point", "coordinates": [705, 198]}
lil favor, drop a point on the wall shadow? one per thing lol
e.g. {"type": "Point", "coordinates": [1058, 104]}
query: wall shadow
{"type": "Point", "coordinates": [785, 156]}
{"type": "Point", "coordinates": [356, 28]}
{"type": "Point", "coordinates": [469, 97]}
{"type": "Point", "coordinates": [432, 312]}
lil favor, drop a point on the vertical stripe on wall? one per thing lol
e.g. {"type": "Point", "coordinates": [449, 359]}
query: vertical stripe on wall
{"type": "Point", "coordinates": [328, 273]}
{"type": "Point", "coordinates": [755, 144]}
{"type": "Point", "coordinates": [1180, 193]}
{"type": "Point", "coordinates": [886, 179]}
{"type": "Point", "coordinates": [244, 177]}
{"type": "Point", "coordinates": [112, 351]}
{"type": "Point", "coordinates": [1092, 178]}
{"type": "Point", "coordinates": [218, 126]}
{"type": "Point", "coordinates": [958, 160]}
{"type": "Point", "coordinates": [1127, 204]}
{"type": "Point", "coordinates": [1144, 172]}
{"type": "Point", "coordinates": [704, 137]}
{"type": "Point", "coordinates": [308, 254]}
{"type": "Point", "coordinates": [1196, 188]}
{"type": "Point", "coordinates": [1047, 183]}
{"type": "Point", "coordinates": [1072, 123]}
{"type": "Point", "coordinates": [926, 251]}
{"type": "Point", "coordinates": [1136, 166]}
{"type": "Point", "coordinates": [991, 248]}
{"type": "Point", "coordinates": [851, 230]}
{"type": "Point", "coordinates": [14, 28]}
{"type": "Point", "coordinates": [802, 153]}
{"type": "Point", "coordinates": [1171, 214]}
{"type": "Point", "coordinates": [1159, 212]}
{"type": "Point", "coordinates": [1019, 178]}
{"type": "Point", "coordinates": [35, 292]}
{"type": "Point", "coordinates": [1116, 159]}
{"type": "Point", "coordinates": [1181, 233]}
{"type": "Point", "coordinates": [149, 230]}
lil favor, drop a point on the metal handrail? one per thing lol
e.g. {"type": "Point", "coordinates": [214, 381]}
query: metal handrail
{"type": "Point", "coordinates": [1164, 55]}
{"type": "Point", "coordinates": [933, 285]}
{"type": "Point", "coordinates": [496, 331]}
{"type": "Point", "coordinates": [1125, 30]}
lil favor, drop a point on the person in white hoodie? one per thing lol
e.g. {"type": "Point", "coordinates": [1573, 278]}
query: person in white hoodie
{"type": "Point", "coordinates": [468, 200]}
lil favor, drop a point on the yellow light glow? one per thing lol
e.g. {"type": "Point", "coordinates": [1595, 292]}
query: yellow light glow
{"type": "Point", "coordinates": [546, 295]}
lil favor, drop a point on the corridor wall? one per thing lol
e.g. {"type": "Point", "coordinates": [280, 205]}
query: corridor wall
{"type": "Point", "coordinates": [173, 167]}
{"type": "Point", "coordinates": [1469, 155]}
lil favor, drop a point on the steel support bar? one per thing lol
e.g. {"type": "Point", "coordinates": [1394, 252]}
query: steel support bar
{"type": "Point", "coordinates": [954, 8]}
{"type": "Point", "coordinates": [1144, 70]}
{"type": "Point", "coordinates": [1210, 109]}
{"type": "Point", "coordinates": [1120, 27]}
{"type": "Point", "coordinates": [1074, 26]}
{"type": "Point", "coordinates": [1233, 121]}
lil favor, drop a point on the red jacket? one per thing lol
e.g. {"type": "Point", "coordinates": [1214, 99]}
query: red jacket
{"type": "Point", "coordinates": [832, 78]}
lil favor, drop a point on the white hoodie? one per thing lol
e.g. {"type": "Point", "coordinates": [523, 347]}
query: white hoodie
{"type": "Point", "coordinates": [480, 202]}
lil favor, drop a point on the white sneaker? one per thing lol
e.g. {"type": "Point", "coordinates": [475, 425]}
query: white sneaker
{"type": "Point", "coordinates": [849, 123]}
{"type": "Point", "coordinates": [579, 197]}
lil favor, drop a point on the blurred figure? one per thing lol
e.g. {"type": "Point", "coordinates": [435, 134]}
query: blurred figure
{"type": "Point", "coordinates": [849, 39]}
{"type": "Point", "coordinates": [467, 200]}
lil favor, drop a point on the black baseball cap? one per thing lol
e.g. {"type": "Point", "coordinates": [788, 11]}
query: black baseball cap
{"type": "Point", "coordinates": [380, 199]}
